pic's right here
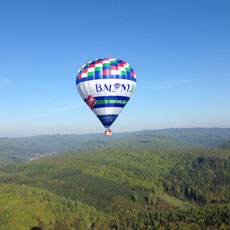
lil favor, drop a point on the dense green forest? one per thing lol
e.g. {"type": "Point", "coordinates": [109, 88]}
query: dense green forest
{"type": "Point", "coordinates": [14, 150]}
{"type": "Point", "coordinates": [121, 189]}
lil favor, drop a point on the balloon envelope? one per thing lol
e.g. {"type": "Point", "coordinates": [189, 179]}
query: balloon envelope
{"type": "Point", "coordinates": [106, 85]}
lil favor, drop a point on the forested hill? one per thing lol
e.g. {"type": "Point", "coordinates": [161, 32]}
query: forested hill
{"type": "Point", "coordinates": [119, 189]}
{"type": "Point", "coordinates": [225, 145]}
{"type": "Point", "coordinates": [20, 149]}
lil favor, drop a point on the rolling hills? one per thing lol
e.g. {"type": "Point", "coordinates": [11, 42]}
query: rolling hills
{"type": "Point", "coordinates": [147, 180]}
{"type": "Point", "coordinates": [13, 150]}
{"type": "Point", "coordinates": [119, 188]}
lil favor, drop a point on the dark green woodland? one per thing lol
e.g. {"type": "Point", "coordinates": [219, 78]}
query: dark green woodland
{"type": "Point", "coordinates": [165, 180]}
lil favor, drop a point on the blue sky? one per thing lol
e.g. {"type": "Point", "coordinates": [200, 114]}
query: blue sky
{"type": "Point", "coordinates": [180, 51]}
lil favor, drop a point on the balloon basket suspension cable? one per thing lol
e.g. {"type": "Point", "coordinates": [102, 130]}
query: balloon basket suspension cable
{"type": "Point", "coordinates": [108, 132]}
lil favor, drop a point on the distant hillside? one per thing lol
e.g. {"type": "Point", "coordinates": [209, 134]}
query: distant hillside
{"type": "Point", "coordinates": [225, 145]}
{"type": "Point", "coordinates": [20, 149]}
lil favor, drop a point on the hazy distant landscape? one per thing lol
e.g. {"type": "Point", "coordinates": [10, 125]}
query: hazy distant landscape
{"type": "Point", "coordinates": [13, 150]}
{"type": "Point", "coordinates": [159, 179]}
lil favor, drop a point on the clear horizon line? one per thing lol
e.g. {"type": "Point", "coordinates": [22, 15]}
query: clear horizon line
{"type": "Point", "coordinates": [66, 134]}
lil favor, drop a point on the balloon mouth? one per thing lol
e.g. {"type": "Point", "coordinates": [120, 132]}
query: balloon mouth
{"type": "Point", "coordinates": [107, 120]}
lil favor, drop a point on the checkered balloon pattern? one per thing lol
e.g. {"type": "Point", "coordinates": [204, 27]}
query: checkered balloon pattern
{"type": "Point", "coordinates": [104, 68]}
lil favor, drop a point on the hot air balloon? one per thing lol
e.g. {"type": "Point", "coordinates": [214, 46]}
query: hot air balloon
{"type": "Point", "coordinates": [106, 85]}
